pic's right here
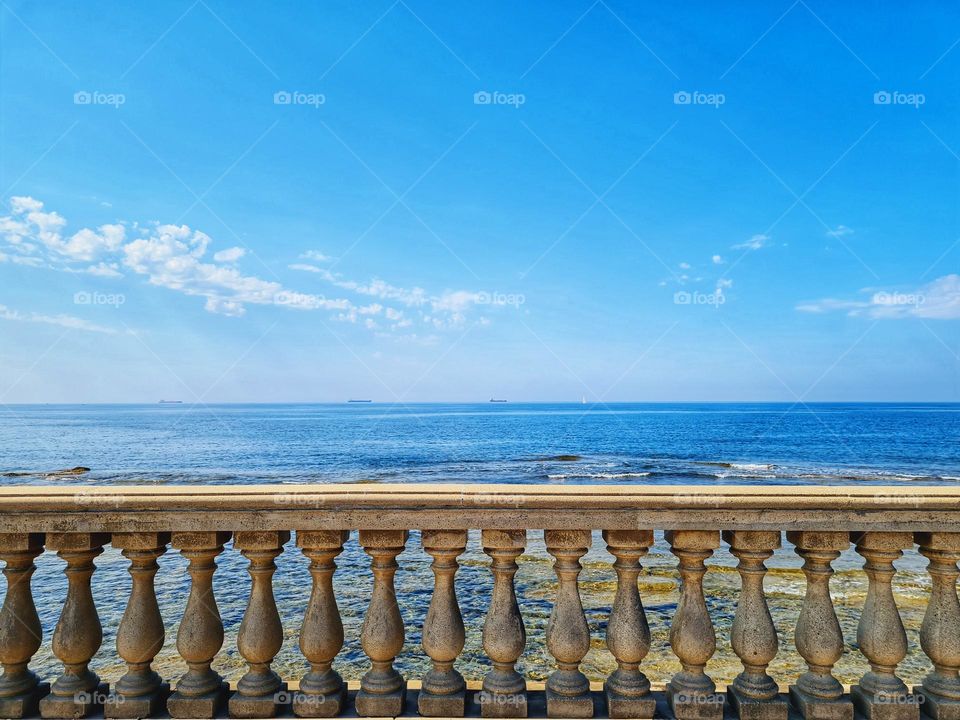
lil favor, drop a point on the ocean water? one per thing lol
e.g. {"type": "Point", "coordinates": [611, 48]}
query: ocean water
{"type": "Point", "coordinates": [827, 444]}
{"type": "Point", "coordinates": [490, 442]}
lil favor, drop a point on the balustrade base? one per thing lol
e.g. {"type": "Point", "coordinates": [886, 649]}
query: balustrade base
{"type": "Point", "coordinates": [202, 707]}
{"type": "Point", "coordinates": [124, 707]}
{"type": "Point", "coordinates": [79, 705]}
{"type": "Point", "coordinates": [307, 705]}
{"type": "Point", "coordinates": [256, 706]}
{"type": "Point", "coordinates": [937, 706]}
{"type": "Point", "coordinates": [816, 708]}
{"type": "Point", "coordinates": [568, 706]}
{"type": "Point", "coordinates": [23, 706]}
{"type": "Point", "coordinates": [641, 707]}
{"type": "Point", "coordinates": [386, 705]}
{"type": "Point", "coordinates": [687, 705]}
{"type": "Point", "coordinates": [885, 707]}
{"type": "Point", "coordinates": [494, 705]}
{"type": "Point", "coordinates": [453, 705]}
{"type": "Point", "coordinates": [748, 708]}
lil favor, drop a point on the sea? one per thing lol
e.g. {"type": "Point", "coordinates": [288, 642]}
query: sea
{"type": "Point", "coordinates": [899, 444]}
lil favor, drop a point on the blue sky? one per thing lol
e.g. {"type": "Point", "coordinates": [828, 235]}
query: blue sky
{"type": "Point", "coordinates": [413, 201]}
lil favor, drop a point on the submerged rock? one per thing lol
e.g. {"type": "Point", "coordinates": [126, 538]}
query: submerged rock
{"type": "Point", "coordinates": [79, 470]}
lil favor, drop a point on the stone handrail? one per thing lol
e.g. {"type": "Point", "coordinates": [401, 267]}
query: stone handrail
{"type": "Point", "coordinates": [78, 521]}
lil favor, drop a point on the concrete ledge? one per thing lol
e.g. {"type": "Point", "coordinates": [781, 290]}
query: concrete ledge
{"type": "Point", "coordinates": [184, 508]}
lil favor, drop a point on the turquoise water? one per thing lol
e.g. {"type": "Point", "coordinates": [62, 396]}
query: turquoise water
{"type": "Point", "coordinates": [635, 443]}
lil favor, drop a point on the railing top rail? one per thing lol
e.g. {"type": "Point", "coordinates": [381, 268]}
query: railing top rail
{"type": "Point", "coordinates": [86, 508]}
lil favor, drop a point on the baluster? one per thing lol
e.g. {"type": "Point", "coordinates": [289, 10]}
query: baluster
{"type": "Point", "coordinates": [628, 635]}
{"type": "Point", "coordinates": [754, 694]}
{"type": "Point", "coordinates": [383, 691]}
{"type": "Point", "coordinates": [140, 692]}
{"type": "Point", "coordinates": [504, 693]}
{"type": "Point", "coordinates": [261, 632]}
{"type": "Point", "coordinates": [568, 636]}
{"type": "Point", "coordinates": [691, 693]}
{"type": "Point", "coordinates": [78, 634]}
{"type": "Point", "coordinates": [818, 695]}
{"type": "Point", "coordinates": [881, 695]}
{"type": "Point", "coordinates": [201, 692]}
{"type": "Point", "coordinates": [20, 630]}
{"type": "Point", "coordinates": [322, 691]}
{"type": "Point", "coordinates": [443, 693]}
{"type": "Point", "coordinates": [940, 632]}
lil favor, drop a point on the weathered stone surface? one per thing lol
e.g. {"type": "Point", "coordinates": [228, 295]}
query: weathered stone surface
{"type": "Point", "coordinates": [78, 634]}
{"type": "Point", "coordinates": [881, 695]}
{"type": "Point", "coordinates": [443, 692]}
{"type": "Point", "coordinates": [691, 693]}
{"type": "Point", "coordinates": [813, 707]}
{"type": "Point", "coordinates": [818, 695]}
{"type": "Point", "coordinates": [504, 691]}
{"type": "Point", "coordinates": [23, 705]}
{"type": "Point", "coordinates": [322, 691]}
{"type": "Point", "coordinates": [568, 637]}
{"type": "Point", "coordinates": [753, 694]}
{"type": "Point", "coordinates": [201, 692]}
{"type": "Point", "coordinates": [261, 632]}
{"type": "Point", "coordinates": [257, 706]}
{"type": "Point", "coordinates": [940, 632]}
{"type": "Point", "coordinates": [382, 688]}
{"type": "Point", "coordinates": [627, 690]}
{"type": "Point", "coordinates": [141, 691]}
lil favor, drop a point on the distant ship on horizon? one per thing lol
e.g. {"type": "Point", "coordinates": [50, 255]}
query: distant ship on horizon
{"type": "Point", "coordinates": [171, 402]}
{"type": "Point", "coordinates": [358, 401]}
{"type": "Point", "coordinates": [495, 400]}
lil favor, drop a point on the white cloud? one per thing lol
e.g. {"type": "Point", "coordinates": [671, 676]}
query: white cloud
{"type": "Point", "coordinates": [754, 243]}
{"type": "Point", "coordinates": [937, 300]}
{"type": "Point", "coordinates": [725, 283]}
{"type": "Point", "coordinates": [717, 260]}
{"type": "Point", "coordinates": [229, 255]}
{"type": "Point", "coordinates": [840, 231]}
{"type": "Point", "coordinates": [104, 270]}
{"type": "Point", "coordinates": [684, 266]}
{"type": "Point", "coordinates": [65, 321]}
{"type": "Point", "coordinates": [175, 257]}
{"type": "Point", "coordinates": [315, 255]}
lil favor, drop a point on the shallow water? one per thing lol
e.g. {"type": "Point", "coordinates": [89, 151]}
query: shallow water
{"type": "Point", "coordinates": [573, 444]}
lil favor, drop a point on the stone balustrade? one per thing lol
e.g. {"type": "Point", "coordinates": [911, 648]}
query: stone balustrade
{"type": "Point", "coordinates": [257, 522]}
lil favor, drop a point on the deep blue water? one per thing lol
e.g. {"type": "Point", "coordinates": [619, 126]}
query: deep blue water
{"type": "Point", "coordinates": [509, 442]}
